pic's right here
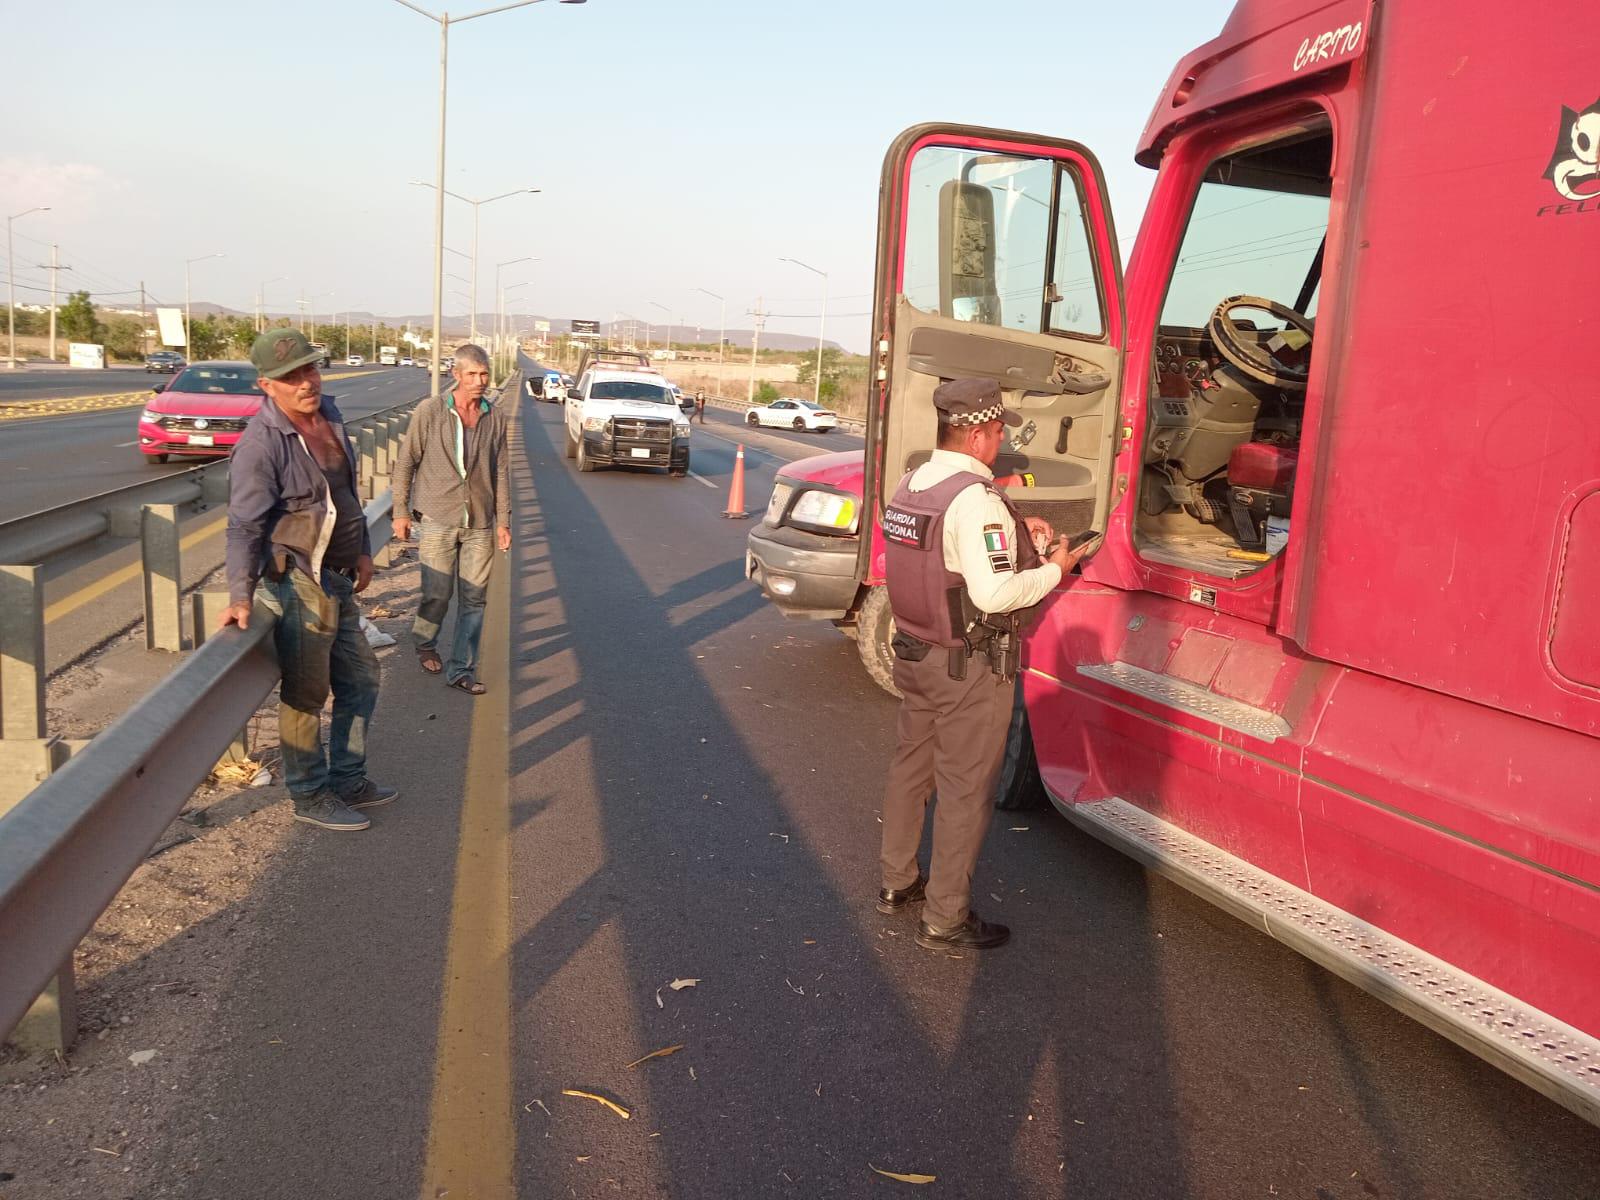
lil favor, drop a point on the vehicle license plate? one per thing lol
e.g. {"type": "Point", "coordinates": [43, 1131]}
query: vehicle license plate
{"type": "Point", "coordinates": [201, 439]}
{"type": "Point", "coordinates": [640, 452]}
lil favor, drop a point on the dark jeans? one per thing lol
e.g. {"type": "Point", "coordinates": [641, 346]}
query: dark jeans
{"type": "Point", "coordinates": [320, 649]}
{"type": "Point", "coordinates": [460, 560]}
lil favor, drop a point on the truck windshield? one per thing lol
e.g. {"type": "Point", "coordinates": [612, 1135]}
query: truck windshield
{"type": "Point", "coordinates": [1245, 241]}
{"type": "Point", "coordinates": [623, 389]}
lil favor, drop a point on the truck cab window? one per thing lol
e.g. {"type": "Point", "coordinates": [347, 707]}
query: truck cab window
{"type": "Point", "coordinates": [981, 243]}
{"type": "Point", "coordinates": [1231, 359]}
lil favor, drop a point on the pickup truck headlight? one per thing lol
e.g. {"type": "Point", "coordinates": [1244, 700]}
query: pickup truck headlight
{"type": "Point", "coordinates": [825, 510]}
{"type": "Point", "coordinates": [597, 424]}
{"type": "Point", "coordinates": [680, 429]}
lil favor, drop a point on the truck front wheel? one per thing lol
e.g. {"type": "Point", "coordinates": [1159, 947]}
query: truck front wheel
{"type": "Point", "coordinates": [585, 463]}
{"type": "Point", "coordinates": [874, 633]}
{"type": "Point", "coordinates": [572, 443]}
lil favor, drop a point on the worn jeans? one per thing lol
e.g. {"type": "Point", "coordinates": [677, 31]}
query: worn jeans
{"type": "Point", "coordinates": [454, 559]}
{"type": "Point", "coordinates": [320, 649]}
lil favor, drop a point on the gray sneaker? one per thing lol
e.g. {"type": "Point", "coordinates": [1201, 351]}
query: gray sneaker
{"type": "Point", "coordinates": [326, 811]}
{"type": "Point", "coordinates": [370, 795]}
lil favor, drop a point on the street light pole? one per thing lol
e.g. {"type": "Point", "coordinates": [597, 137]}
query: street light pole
{"type": "Point", "coordinates": [500, 314]}
{"type": "Point", "coordinates": [261, 301]}
{"type": "Point", "coordinates": [188, 328]}
{"type": "Point", "coordinates": [671, 323]}
{"type": "Point", "coordinates": [816, 392]}
{"type": "Point", "coordinates": [11, 285]}
{"type": "Point", "coordinates": [444, 21]}
{"type": "Point", "coordinates": [472, 318]}
{"type": "Point", "coordinates": [500, 302]}
{"type": "Point", "coordinates": [722, 328]}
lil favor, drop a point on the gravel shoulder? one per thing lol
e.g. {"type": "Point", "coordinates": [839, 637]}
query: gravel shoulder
{"type": "Point", "coordinates": [154, 972]}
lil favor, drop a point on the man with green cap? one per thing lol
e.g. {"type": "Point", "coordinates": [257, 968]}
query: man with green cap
{"type": "Point", "coordinates": [297, 544]}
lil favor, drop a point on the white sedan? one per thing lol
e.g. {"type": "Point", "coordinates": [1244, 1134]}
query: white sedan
{"type": "Point", "coordinates": [793, 414]}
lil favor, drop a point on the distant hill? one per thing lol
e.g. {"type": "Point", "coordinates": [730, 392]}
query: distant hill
{"type": "Point", "coordinates": [456, 325]}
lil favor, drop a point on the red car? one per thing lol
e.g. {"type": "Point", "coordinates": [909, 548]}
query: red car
{"type": "Point", "coordinates": [201, 413]}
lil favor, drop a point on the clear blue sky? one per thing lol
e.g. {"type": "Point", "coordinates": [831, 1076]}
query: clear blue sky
{"type": "Point", "coordinates": [679, 145]}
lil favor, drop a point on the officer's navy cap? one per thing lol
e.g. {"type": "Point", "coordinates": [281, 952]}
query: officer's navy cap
{"type": "Point", "coordinates": [972, 402]}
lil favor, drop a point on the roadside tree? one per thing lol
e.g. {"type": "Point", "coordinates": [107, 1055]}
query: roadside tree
{"type": "Point", "coordinates": [77, 322]}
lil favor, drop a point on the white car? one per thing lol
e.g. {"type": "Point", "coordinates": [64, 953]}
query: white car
{"type": "Point", "coordinates": [354, 360]}
{"type": "Point", "coordinates": [406, 361]}
{"type": "Point", "coordinates": [790, 413]}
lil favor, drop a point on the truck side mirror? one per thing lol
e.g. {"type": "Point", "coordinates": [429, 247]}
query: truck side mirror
{"type": "Point", "coordinates": [967, 288]}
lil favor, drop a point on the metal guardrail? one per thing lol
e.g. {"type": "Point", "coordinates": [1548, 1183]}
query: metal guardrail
{"type": "Point", "coordinates": [38, 536]}
{"type": "Point", "coordinates": [70, 844]}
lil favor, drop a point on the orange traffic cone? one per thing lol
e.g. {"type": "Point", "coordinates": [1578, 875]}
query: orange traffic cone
{"type": "Point", "coordinates": [735, 510]}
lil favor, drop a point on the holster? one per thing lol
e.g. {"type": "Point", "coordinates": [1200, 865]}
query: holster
{"type": "Point", "coordinates": [911, 649]}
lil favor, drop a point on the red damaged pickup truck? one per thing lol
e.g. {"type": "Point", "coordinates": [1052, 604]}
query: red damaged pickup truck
{"type": "Point", "coordinates": [1335, 661]}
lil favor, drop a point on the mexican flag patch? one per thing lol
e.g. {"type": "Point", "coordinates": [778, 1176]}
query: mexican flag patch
{"type": "Point", "coordinates": [994, 541]}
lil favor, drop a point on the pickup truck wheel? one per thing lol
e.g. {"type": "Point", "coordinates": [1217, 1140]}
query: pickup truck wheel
{"type": "Point", "coordinates": [572, 444]}
{"type": "Point", "coordinates": [585, 463]}
{"type": "Point", "coordinates": [752, 419]}
{"type": "Point", "coordinates": [874, 632]}
{"type": "Point", "coordinates": [1019, 788]}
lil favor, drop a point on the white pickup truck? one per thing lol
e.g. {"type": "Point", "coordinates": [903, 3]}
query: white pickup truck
{"type": "Point", "coordinates": [626, 418]}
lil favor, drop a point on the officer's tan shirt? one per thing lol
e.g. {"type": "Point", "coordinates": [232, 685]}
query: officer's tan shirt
{"type": "Point", "coordinates": [980, 536]}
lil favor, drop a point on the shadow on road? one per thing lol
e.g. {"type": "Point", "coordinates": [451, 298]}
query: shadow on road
{"type": "Point", "coordinates": [821, 1039]}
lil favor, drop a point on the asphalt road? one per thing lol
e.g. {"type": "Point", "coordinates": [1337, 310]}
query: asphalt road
{"type": "Point", "coordinates": [670, 782]}
{"type": "Point", "coordinates": [51, 460]}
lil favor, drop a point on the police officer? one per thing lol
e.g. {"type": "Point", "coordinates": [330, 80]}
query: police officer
{"type": "Point", "coordinates": [962, 566]}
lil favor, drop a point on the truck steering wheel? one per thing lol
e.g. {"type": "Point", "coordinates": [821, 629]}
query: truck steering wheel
{"type": "Point", "coordinates": [1252, 358]}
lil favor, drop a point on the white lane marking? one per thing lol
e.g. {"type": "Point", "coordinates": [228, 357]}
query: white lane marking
{"type": "Point", "coordinates": [692, 475]}
{"type": "Point", "coordinates": [125, 445]}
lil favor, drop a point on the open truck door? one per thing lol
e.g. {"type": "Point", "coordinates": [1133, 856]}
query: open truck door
{"type": "Point", "coordinates": [997, 259]}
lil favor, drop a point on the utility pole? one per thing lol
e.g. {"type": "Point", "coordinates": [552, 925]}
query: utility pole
{"type": "Point", "coordinates": [53, 266]}
{"type": "Point", "coordinates": [144, 322]}
{"type": "Point", "coordinates": [755, 344]}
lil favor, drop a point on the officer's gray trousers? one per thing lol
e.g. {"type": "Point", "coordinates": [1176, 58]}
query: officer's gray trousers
{"type": "Point", "coordinates": [952, 736]}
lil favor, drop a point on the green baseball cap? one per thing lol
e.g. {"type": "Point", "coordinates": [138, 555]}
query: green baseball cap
{"type": "Point", "coordinates": [279, 351]}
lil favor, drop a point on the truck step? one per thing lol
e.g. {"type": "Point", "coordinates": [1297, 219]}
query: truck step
{"type": "Point", "coordinates": [1549, 1056]}
{"type": "Point", "coordinates": [1176, 693]}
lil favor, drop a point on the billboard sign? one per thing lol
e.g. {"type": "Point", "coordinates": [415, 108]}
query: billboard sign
{"type": "Point", "coordinates": [171, 322]}
{"type": "Point", "coordinates": [585, 328]}
{"type": "Point", "coordinates": [85, 354]}
{"type": "Point", "coordinates": [541, 326]}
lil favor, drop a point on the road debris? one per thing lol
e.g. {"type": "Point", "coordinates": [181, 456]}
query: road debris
{"type": "Point", "coordinates": [678, 985]}
{"type": "Point", "coordinates": [601, 1100]}
{"type": "Point", "coordinates": [528, 1107]}
{"type": "Point", "coordinates": [904, 1177]}
{"type": "Point", "coordinates": [139, 1057]}
{"type": "Point", "coordinates": [661, 1053]}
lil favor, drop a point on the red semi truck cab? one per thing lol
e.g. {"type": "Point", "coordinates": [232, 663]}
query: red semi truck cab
{"type": "Point", "coordinates": [1335, 662]}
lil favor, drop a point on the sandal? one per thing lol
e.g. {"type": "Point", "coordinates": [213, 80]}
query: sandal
{"type": "Point", "coordinates": [468, 685]}
{"type": "Point", "coordinates": [430, 660]}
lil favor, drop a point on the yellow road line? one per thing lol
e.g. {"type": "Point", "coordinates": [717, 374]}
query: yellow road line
{"type": "Point", "coordinates": [122, 575]}
{"type": "Point", "coordinates": [471, 1136]}
{"type": "Point", "coordinates": [58, 406]}
{"type": "Point", "coordinates": [61, 406]}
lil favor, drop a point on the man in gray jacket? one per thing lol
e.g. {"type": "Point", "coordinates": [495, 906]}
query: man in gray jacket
{"type": "Point", "coordinates": [453, 470]}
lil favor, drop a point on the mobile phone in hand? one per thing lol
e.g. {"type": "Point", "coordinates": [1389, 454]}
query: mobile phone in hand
{"type": "Point", "coordinates": [1082, 539]}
